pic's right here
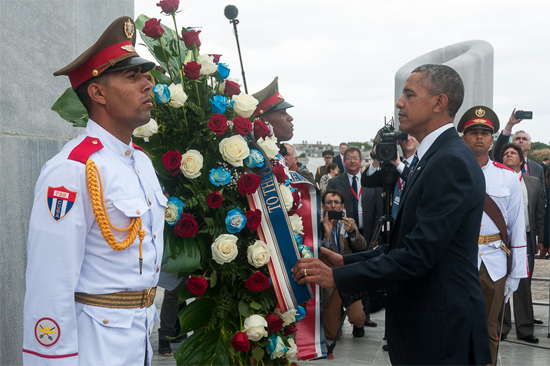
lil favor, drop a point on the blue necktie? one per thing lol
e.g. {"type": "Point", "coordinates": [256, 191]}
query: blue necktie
{"type": "Point", "coordinates": [397, 194]}
{"type": "Point", "coordinates": [355, 200]}
{"type": "Point", "coordinates": [413, 165]}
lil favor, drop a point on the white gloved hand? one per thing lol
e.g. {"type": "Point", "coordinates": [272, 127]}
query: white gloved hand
{"type": "Point", "coordinates": [509, 288]}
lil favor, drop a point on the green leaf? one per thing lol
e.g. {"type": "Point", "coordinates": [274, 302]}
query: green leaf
{"type": "Point", "coordinates": [244, 309]}
{"type": "Point", "coordinates": [185, 254]}
{"type": "Point", "coordinates": [197, 314]}
{"type": "Point", "coordinates": [69, 107]}
{"type": "Point", "coordinates": [258, 353]}
{"type": "Point", "coordinates": [160, 77]}
{"type": "Point", "coordinates": [213, 278]}
{"type": "Point", "coordinates": [254, 305]}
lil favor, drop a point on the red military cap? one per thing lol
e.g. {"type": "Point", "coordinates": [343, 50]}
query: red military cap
{"type": "Point", "coordinates": [114, 50]}
{"type": "Point", "coordinates": [479, 117]}
{"type": "Point", "coordinates": [270, 100]}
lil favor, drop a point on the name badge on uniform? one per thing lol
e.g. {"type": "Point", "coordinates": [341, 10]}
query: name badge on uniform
{"type": "Point", "coordinates": [60, 202]}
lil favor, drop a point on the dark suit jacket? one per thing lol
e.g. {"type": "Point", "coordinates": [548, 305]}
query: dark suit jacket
{"type": "Point", "coordinates": [435, 309]}
{"type": "Point", "coordinates": [338, 161]}
{"type": "Point", "coordinates": [536, 208]}
{"type": "Point", "coordinates": [535, 169]}
{"type": "Point", "coordinates": [371, 200]}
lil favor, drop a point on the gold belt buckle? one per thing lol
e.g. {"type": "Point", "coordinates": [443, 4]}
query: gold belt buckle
{"type": "Point", "coordinates": [148, 297]}
{"type": "Point", "coordinates": [483, 239]}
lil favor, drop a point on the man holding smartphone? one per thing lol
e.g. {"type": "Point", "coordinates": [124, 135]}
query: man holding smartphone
{"type": "Point", "coordinates": [340, 234]}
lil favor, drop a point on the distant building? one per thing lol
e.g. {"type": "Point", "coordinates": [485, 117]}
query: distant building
{"type": "Point", "coordinates": [316, 150]}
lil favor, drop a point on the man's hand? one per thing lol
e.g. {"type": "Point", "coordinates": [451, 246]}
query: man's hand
{"type": "Point", "coordinates": [510, 286]}
{"type": "Point", "coordinates": [328, 228]}
{"type": "Point", "coordinates": [312, 270]}
{"type": "Point", "coordinates": [512, 121]}
{"type": "Point", "coordinates": [331, 259]}
{"type": "Point", "coordinates": [397, 161]}
{"type": "Point", "coordinates": [349, 226]}
{"type": "Point", "coordinates": [375, 163]}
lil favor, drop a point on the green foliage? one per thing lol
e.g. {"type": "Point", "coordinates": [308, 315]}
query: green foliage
{"type": "Point", "coordinates": [539, 146]}
{"type": "Point", "coordinates": [69, 107]}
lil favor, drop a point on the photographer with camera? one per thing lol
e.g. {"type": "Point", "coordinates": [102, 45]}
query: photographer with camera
{"type": "Point", "coordinates": [340, 234]}
{"type": "Point", "coordinates": [373, 176]}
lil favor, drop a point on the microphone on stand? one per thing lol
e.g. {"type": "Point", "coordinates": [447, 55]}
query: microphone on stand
{"type": "Point", "coordinates": [231, 12]}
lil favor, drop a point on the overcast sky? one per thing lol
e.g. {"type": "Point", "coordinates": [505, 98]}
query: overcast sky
{"type": "Point", "coordinates": [336, 60]}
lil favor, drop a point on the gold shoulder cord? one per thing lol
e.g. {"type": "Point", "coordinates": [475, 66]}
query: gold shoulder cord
{"type": "Point", "coordinates": [100, 213]}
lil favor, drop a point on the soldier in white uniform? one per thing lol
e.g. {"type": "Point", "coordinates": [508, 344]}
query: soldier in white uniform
{"type": "Point", "coordinates": [95, 239]}
{"type": "Point", "coordinates": [498, 279]}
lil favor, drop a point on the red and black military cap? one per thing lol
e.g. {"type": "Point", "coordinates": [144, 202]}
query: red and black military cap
{"type": "Point", "coordinates": [114, 50]}
{"type": "Point", "coordinates": [479, 117]}
{"type": "Point", "coordinates": [270, 100]}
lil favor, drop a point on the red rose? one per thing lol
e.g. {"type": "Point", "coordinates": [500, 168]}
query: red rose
{"type": "Point", "coordinates": [290, 329]}
{"type": "Point", "coordinates": [192, 70]}
{"type": "Point", "coordinates": [172, 161]}
{"type": "Point", "coordinates": [215, 199]}
{"type": "Point", "coordinates": [253, 219]}
{"type": "Point", "coordinates": [274, 322]}
{"type": "Point", "coordinates": [232, 88]}
{"type": "Point", "coordinates": [216, 56]}
{"type": "Point", "coordinates": [197, 285]}
{"type": "Point", "coordinates": [186, 226]}
{"type": "Point", "coordinates": [257, 282]}
{"type": "Point", "coordinates": [261, 129]}
{"type": "Point", "coordinates": [241, 126]}
{"type": "Point", "coordinates": [218, 123]}
{"type": "Point", "coordinates": [191, 38]}
{"type": "Point", "coordinates": [240, 342]}
{"type": "Point", "coordinates": [279, 172]}
{"type": "Point", "coordinates": [248, 183]}
{"type": "Point", "coordinates": [169, 6]}
{"type": "Point", "coordinates": [296, 200]}
{"type": "Point", "coordinates": [152, 28]}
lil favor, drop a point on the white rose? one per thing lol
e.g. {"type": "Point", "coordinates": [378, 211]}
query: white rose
{"type": "Point", "coordinates": [293, 350]}
{"type": "Point", "coordinates": [177, 96]}
{"type": "Point", "coordinates": [147, 130]}
{"type": "Point", "coordinates": [191, 164]}
{"type": "Point", "coordinates": [288, 317]}
{"type": "Point", "coordinates": [208, 67]}
{"type": "Point", "coordinates": [171, 213]}
{"type": "Point", "coordinates": [280, 349]}
{"type": "Point", "coordinates": [269, 146]}
{"type": "Point", "coordinates": [254, 327]}
{"type": "Point", "coordinates": [224, 248]}
{"type": "Point", "coordinates": [297, 225]}
{"type": "Point", "coordinates": [258, 254]}
{"type": "Point", "coordinates": [245, 104]}
{"type": "Point", "coordinates": [287, 196]}
{"type": "Point", "coordinates": [234, 150]}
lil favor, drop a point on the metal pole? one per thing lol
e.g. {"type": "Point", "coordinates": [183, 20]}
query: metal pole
{"type": "Point", "coordinates": [235, 22]}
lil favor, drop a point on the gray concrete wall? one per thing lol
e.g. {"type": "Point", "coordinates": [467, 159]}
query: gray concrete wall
{"type": "Point", "coordinates": [38, 38]}
{"type": "Point", "coordinates": [473, 60]}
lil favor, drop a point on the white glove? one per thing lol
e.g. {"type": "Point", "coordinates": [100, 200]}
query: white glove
{"type": "Point", "coordinates": [509, 288]}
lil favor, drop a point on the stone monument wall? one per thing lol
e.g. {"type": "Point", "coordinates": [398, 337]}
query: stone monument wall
{"type": "Point", "coordinates": [38, 38]}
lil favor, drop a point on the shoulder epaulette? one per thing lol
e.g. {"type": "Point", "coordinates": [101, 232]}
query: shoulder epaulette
{"type": "Point", "coordinates": [502, 166]}
{"type": "Point", "coordinates": [87, 147]}
{"type": "Point", "coordinates": [137, 147]}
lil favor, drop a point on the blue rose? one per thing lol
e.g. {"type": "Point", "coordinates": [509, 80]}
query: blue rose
{"type": "Point", "coordinates": [276, 347]}
{"type": "Point", "coordinates": [173, 210]}
{"type": "Point", "coordinates": [300, 313]}
{"type": "Point", "coordinates": [162, 93]}
{"type": "Point", "coordinates": [219, 176]}
{"type": "Point", "coordinates": [220, 104]}
{"type": "Point", "coordinates": [299, 239]}
{"type": "Point", "coordinates": [223, 70]}
{"type": "Point", "coordinates": [255, 159]}
{"type": "Point", "coordinates": [235, 221]}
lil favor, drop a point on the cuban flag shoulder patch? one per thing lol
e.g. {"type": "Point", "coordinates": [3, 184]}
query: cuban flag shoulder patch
{"type": "Point", "coordinates": [60, 201]}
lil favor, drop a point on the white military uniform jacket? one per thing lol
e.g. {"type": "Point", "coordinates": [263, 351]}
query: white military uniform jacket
{"type": "Point", "coordinates": [503, 185]}
{"type": "Point", "coordinates": [67, 254]}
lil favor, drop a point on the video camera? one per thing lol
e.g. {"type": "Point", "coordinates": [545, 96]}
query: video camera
{"type": "Point", "coordinates": [386, 142]}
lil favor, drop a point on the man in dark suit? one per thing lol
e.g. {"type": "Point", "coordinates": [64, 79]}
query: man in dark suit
{"type": "Point", "coordinates": [364, 205]}
{"type": "Point", "coordinates": [339, 159]}
{"type": "Point", "coordinates": [523, 140]}
{"type": "Point", "coordinates": [534, 208]}
{"type": "Point", "coordinates": [435, 310]}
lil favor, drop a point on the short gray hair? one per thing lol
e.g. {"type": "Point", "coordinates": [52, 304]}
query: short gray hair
{"type": "Point", "coordinates": [521, 131]}
{"type": "Point", "coordinates": [442, 79]}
